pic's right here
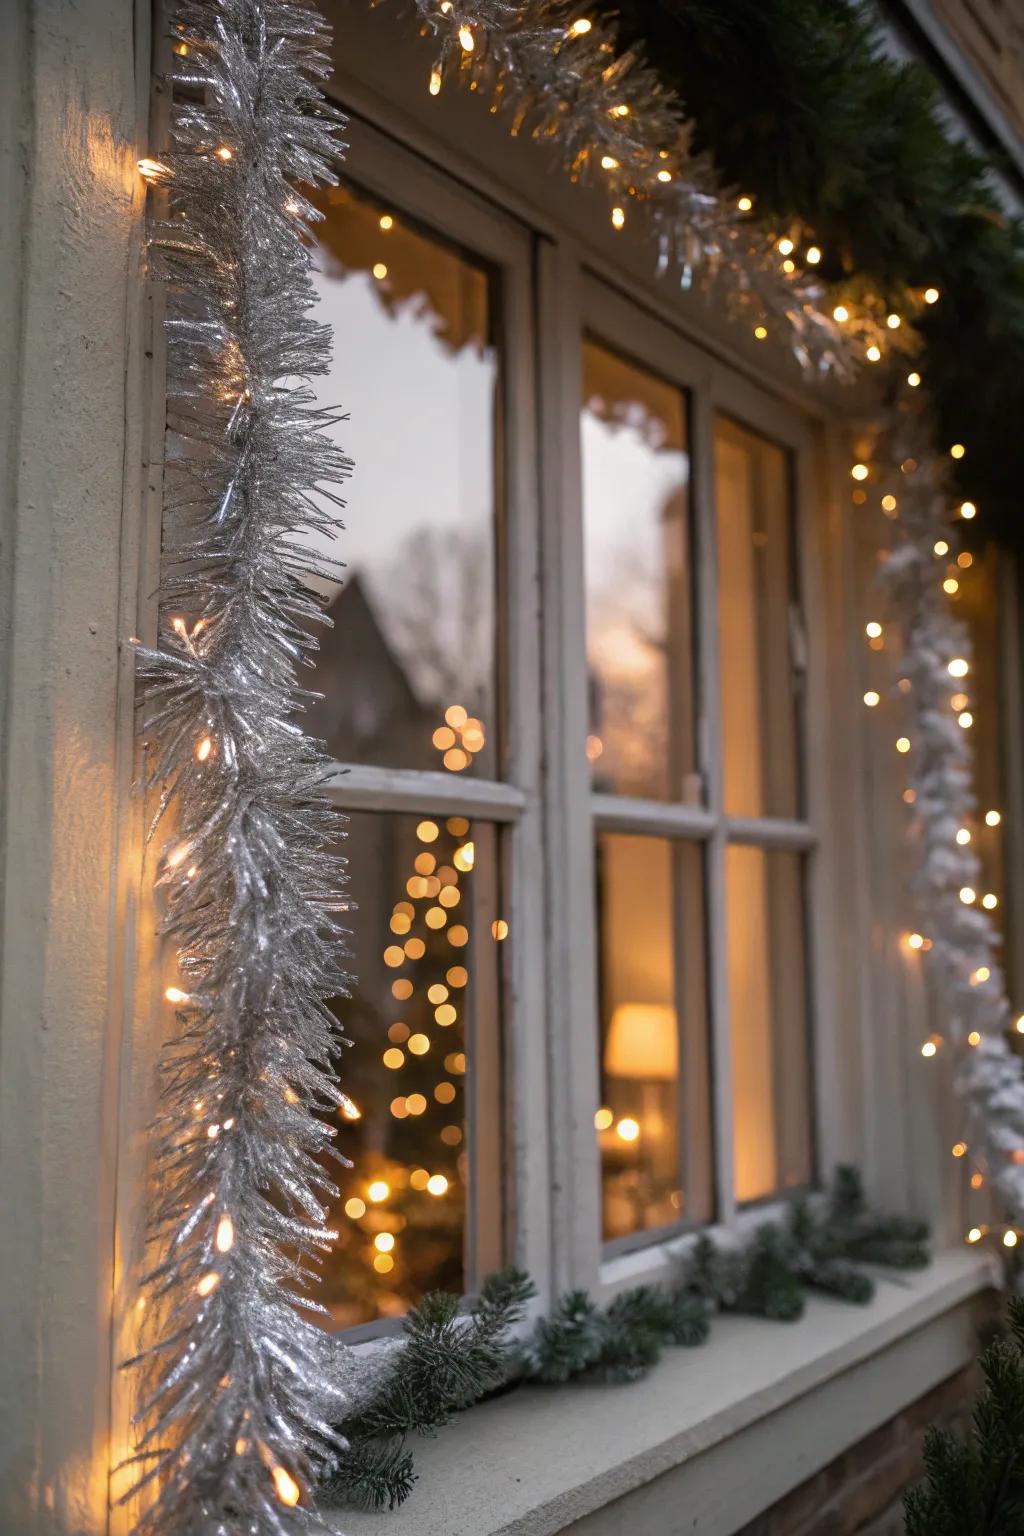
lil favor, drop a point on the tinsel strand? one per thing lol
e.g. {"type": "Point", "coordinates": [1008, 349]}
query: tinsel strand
{"type": "Point", "coordinates": [964, 943]}
{"type": "Point", "coordinates": [240, 1390]}
{"type": "Point", "coordinates": [565, 79]}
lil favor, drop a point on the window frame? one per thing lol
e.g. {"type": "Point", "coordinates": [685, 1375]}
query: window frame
{"type": "Point", "coordinates": [402, 179]}
{"type": "Point", "coordinates": [577, 303]}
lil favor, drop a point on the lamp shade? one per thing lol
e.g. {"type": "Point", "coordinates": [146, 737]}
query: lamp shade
{"type": "Point", "coordinates": [643, 1042]}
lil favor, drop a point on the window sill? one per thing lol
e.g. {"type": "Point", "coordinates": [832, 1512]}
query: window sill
{"type": "Point", "coordinates": [728, 1428]}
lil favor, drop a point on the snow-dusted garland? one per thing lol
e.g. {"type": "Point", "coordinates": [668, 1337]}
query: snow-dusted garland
{"type": "Point", "coordinates": [960, 937]}
{"type": "Point", "coordinates": [238, 1389]}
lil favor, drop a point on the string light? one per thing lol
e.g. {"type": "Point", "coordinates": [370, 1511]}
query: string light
{"type": "Point", "coordinates": [437, 1185]}
{"type": "Point", "coordinates": [974, 1038]}
{"type": "Point", "coordinates": [873, 354]}
{"type": "Point", "coordinates": [618, 217]}
{"type": "Point", "coordinates": [873, 630]}
{"type": "Point", "coordinates": [760, 332]}
{"type": "Point", "coordinates": [285, 1486]}
{"type": "Point", "coordinates": [931, 295]}
{"type": "Point", "coordinates": [950, 585]}
{"type": "Point", "coordinates": [871, 698]}
{"type": "Point", "coordinates": [990, 901]}
{"type": "Point", "coordinates": [813, 255]}
{"type": "Point", "coordinates": [203, 749]}
{"type": "Point", "coordinates": [915, 941]}
{"type": "Point", "coordinates": [581, 27]}
{"type": "Point", "coordinates": [386, 222]}
{"type": "Point", "coordinates": [957, 451]}
{"type": "Point", "coordinates": [893, 322]}
{"type": "Point", "coordinates": [1019, 1025]}
{"type": "Point", "coordinates": [665, 177]}
{"type": "Point", "coordinates": [968, 895]}
{"type": "Point", "coordinates": [960, 1149]}
{"type": "Point", "coordinates": [974, 1235]}
{"type": "Point", "coordinates": [889, 503]}
{"type": "Point", "coordinates": [913, 379]}
{"type": "Point", "coordinates": [224, 153]}
{"type": "Point", "coordinates": [940, 547]}
{"type": "Point", "coordinates": [929, 1048]}
{"type": "Point", "coordinates": [225, 1234]}
{"type": "Point", "coordinates": [744, 204]}
{"type": "Point", "coordinates": [992, 818]}
{"type": "Point", "coordinates": [786, 246]}
{"type": "Point", "coordinates": [175, 995]}
{"type": "Point", "coordinates": [435, 82]}
{"type": "Point", "coordinates": [963, 836]}
{"type": "Point", "coordinates": [860, 472]}
{"type": "Point", "coordinates": [379, 1190]}
{"type": "Point", "coordinates": [1009, 1239]}
{"type": "Point", "coordinates": [968, 510]}
{"type": "Point", "coordinates": [628, 1129]}
{"type": "Point", "coordinates": [903, 744]}
{"type": "Point", "coordinates": [209, 1283]}
{"type": "Point", "coordinates": [958, 667]}
{"type": "Point", "coordinates": [154, 171]}
{"type": "Point", "coordinates": [380, 271]}
{"type": "Point", "coordinates": [965, 720]}
{"type": "Point", "coordinates": [467, 39]}
{"type": "Point", "coordinates": [609, 163]}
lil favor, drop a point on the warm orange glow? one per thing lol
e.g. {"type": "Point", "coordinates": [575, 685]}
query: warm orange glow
{"type": "Point", "coordinates": [225, 1238]}
{"type": "Point", "coordinates": [285, 1486]}
{"type": "Point", "coordinates": [379, 1190]}
{"type": "Point", "coordinates": [175, 995]}
{"type": "Point", "coordinates": [204, 748]}
{"type": "Point", "coordinates": [437, 1184]}
{"type": "Point", "coordinates": [223, 153]}
{"type": "Point", "coordinates": [627, 1129]}
{"type": "Point", "coordinates": [209, 1283]}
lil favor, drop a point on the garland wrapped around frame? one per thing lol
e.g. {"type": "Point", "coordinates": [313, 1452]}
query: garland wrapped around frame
{"type": "Point", "coordinates": [238, 1389]}
{"type": "Point", "coordinates": [242, 1393]}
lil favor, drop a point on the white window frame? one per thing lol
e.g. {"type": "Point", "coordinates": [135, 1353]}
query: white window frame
{"type": "Point", "coordinates": [403, 181]}
{"type": "Point", "coordinates": [575, 304]}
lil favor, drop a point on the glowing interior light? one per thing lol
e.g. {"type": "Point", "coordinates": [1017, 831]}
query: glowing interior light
{"type": "Point", "coordinates": [974, 1235]}
{"type": "Point", "coordinates": [871, 698]}
{"type": "Point", "coordinates": [913, 379]}
{"type": "Point", "coordinates": [467, 39]}
{"type": "Point", "coordinates": [618, 217]}
{"type": "Point", "coordinates": [915, 941]}
{"type": "Point", "coordinates": [609, 163]}
{"type": "Point", "coordinates": [957, 451]}
{"type": "Point", "coordinates": [873, 630]}
{"type": "Point", "coordinates": [744, 204]}
{"type": "Point", "coordinates": [627, 1129]}
{"type": "Point", "coordinates": [840, 313]}
{"type": "Point", "coordinates": [223, 153]}
{"type": "Point", "coordinates": [209, 1283]}
{"type": "Point", "coordinates": [893, 322]}
{"type": "Point", "coordinates": [992, 818]}
{"type": "Point", "coordinates": [968, 510]}
{"type": "Point", "coordinates": [873, 354]}
{"type": "Point", "coordinates": [225, 1234]}
{"type": "Point", "coordinates": [931, 295]}
{"type": "Point", "coordinates": [963, 836]}
{"type": "Point", "coordinates": [1009, 1239]}
{"type": "Point", "coordinates": [437, 1184]}
{"type": "Point", "coordinates": [379, 1190]}
{"type": "Point", "coordinates": [860, 472]}
{"type": "Point", "coordinates": [958, 667]}
{"type": "Point", "coordinates": [813, 255]}
{"type": "Point", "coordinates": [580, 28]}
{"type": "Point", "coordinates": [435, 82]}
{"type": "Point", "coordinates": [968, 895]}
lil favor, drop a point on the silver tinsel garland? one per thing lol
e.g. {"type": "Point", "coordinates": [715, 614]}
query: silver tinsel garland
{"type": "Point", "coordinates": [566, 80]}
{"type": "Point", "coordinates": [963, 942]}
{"type": "Point", "coordinates": [238, 1389]}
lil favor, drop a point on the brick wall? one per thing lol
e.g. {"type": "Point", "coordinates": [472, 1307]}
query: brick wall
{"type": "Point", "coordinates": [991, 34]}
{"type": "Point", "coordinates": [860, 1493]}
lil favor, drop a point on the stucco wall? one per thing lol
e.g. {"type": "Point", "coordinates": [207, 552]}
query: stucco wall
{"type": "Point", "coordinates": [74, 91]}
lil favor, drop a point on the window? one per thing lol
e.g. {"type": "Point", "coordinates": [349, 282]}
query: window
{"type": "Point", "coordinates": [569, 734]}
{"type": "Point", "coordinates": [695, 662]}
{"type": "Point", "coordinates": [420, 710]}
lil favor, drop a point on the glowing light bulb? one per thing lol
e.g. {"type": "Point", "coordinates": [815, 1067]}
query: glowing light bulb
{"type": "Point", "coordinates": [873, 354]}
{"type": "Point", "coordinates": [760, 332]}
{"type": "Point", "coordinates": [871, 698]}
{"type": "Point", "coordinates": [840, 313]}
{"type": "Point", "coordinates": [960, 1149]}
{"type": "Point", "coordinates": [893, 322]}
{"type": "Point", "coordinates": [384, 1242]}
{"type": "Point", "coordinates": [175, 995]}
{"type": "Point", "coordinates": [968, 510]}
{"type": "Point", "coordinates": [965, 720]}
{"type": "Point", "coordinates": [223, 153]}
{"type": "Point", "coordinates": [285, 1486]}
{"type": "Point", "coordinates": [940, 547]}
{"type": "Point", "coordinates": [860, 472]}
{"type": "Point", "coordinates": [204, 748]}
{"type": "Point", "coordinates": [380, 271]}
{"type": "Point", "coordinates": [888, 503]}
{"type": "Point", "coordinates": [609, 163]}
{"type": "Point", "coordinates": [873, 630]}
{"type": "Point", "coordinates": [957, 451]}
{"type": "Point", "coordinates": [355, 1208]}
{"type": "Point", "coordinates": [435, 82]}
{"type": "Point", "coordinates": [974, 1235]}
{"type": "Point", "coordinates": [974, 1038]}
{"type": "Point", "coordinates": [209, 1283]}
{"type": "Point", "coordinates": [618, 217]}
{"type": "Point", "coordinates": [903, 744]}
{"type": "Point", "coordinates": [225, 1234]}
{"type": "Point", "coordinates": [744, 204]}
{"type": "Point", "coordinates": [958, 667]}
{"type": "Point", "coordinates": [813, 255]}
{"type": "Point", "coordinates": [664, 177]}
{"type": "Point", "coordinates": [963, 836]}
{"type": "Point", "coordinates": [913, 379]}
{"type": "Point", "coordinates": [915, 941]}
{"type": "Point", "coordinates": [467, 39]}
{"type": "Point", "coordinates": [992, 818]}
{"type": "Point", "coordinates": [1009, 1239]}
{"type": "Point", "coordinates": [379, 1190]}
{"type": "Point", "coordinates": [990, 901]}
{"type": "Point", "coordinates": [968, 895]}
{"type": "Point", "coordinates": [386, 222]}
{"type": "Point", "coordinates": [931, 295]}
{"type": "Point", "coordinates": [437, 1185]}
{"type": "Point", "coordinates": [153, 170]}
{"type": "Point", "coordinates": [786, 246]}
{"type": "Point", "coordinates": [603, 1119]}
{"type": "Point", "coordinates": [627, 1129]}
{"type": "Point", "coordinates": [580, 28]}
{"type": "Point", "coordinates": [929, 1048]}
{"type": "Point", "coordinates": [950, 585]}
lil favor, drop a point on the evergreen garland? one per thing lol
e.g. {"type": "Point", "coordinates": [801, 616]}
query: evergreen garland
{"type": "Point", "coordinates": [800, 107]}
{"type": "Point", "coordinates": [975, 1486]}
{"type": "Point", "coordinates": [450, 1358]}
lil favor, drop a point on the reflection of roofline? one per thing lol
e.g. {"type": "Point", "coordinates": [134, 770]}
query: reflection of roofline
{"type": "Point", "coordinates": [355, 586]}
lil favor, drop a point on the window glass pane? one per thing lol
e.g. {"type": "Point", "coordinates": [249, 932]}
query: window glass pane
{"type": "Point", "coordinates": [408, 671]}
{"type": "Point", "coordinates": [759, 626]}
{"type": "Point", "coordinates": [638, 581]}
{"type": "Point", "coordinates": [768, 1014]}
{"type": "Point", "coordinates": [420, 1208]}
{"type": "Point", "coordinates": [653, 1126]}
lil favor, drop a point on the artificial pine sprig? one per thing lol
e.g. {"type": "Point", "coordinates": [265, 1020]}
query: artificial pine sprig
{"type": "Point", "coordinates": [448, 1359]}
{"type": "Point", "coordinates": [975, 1486]}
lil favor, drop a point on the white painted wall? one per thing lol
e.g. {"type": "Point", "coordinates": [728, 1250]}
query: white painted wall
{"type": "Point", "coordinates": [74, 98]}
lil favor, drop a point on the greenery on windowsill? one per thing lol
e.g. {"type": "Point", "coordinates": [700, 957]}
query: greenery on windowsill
{"type": "Point", "coordinates": [799, 106]}
{"type": "Point", "coordinates": [450, 1358]}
